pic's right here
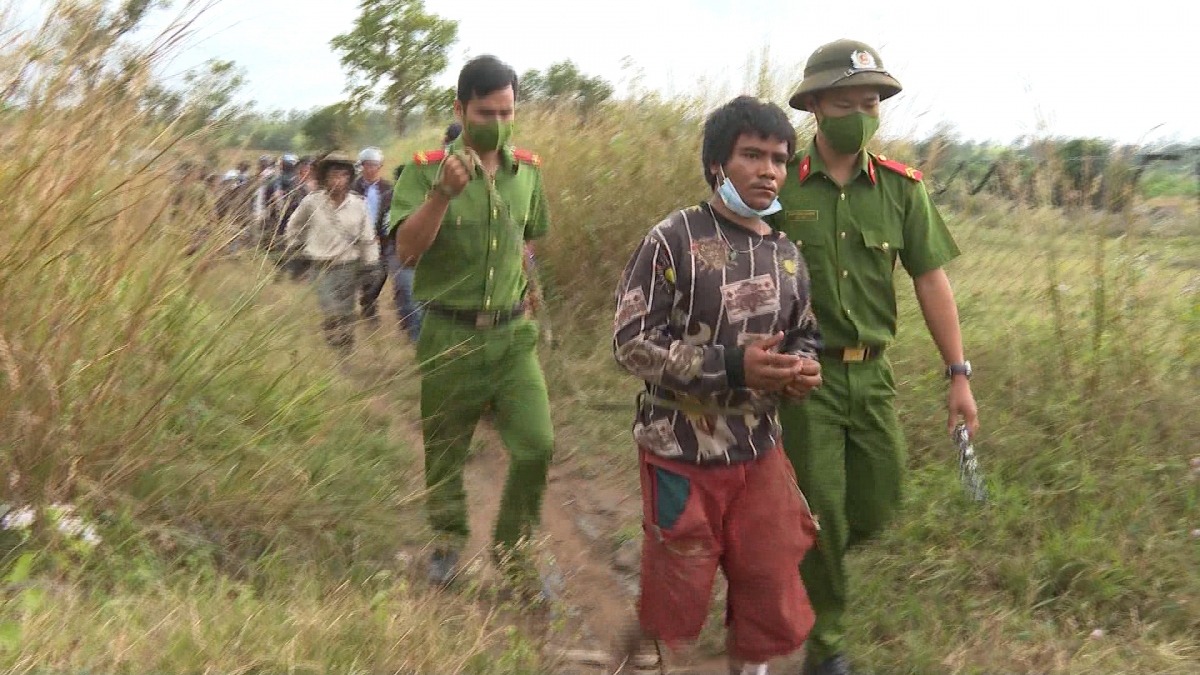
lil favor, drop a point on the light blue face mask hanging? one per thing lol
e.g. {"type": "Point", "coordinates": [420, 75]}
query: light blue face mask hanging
{"type": "Point", "coordinates": [733, 200]}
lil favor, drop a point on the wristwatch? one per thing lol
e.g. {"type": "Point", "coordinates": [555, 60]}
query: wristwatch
{"type": "Point", "coordinates": [963, 368]}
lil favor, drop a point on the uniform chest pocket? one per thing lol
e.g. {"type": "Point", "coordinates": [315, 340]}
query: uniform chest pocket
{"type": "Point", "coordinates": [513, 212]}
{"type": "Point", "coordinates": [883, 247]}
{"type": "Point", "coordinates": [811, 242]}
{"type": "Point", "coordinates": [463, 231]}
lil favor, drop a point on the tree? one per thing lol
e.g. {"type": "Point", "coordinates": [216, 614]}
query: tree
{"type": "Point", "coordinates": [162, 104]}
{"type": "Point", "coordinates": [395, 45]}
{"type": "Point", "coordinates": [210, 94]}
{"type": "Point", "coordinates": [564, 83]}
{"type": "Point", "coordinates": [439, 104]}
{"type": "Point", "coordinates": [331, 127]}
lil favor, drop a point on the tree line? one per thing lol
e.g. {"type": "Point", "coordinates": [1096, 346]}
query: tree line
{"type": "Point", "coordinates": [395, 51]}
{"type": "Point", "coordinates": [391, 56]}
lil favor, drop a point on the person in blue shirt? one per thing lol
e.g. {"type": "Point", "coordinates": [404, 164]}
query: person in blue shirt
{"type": "Point", "coordinates": [377, 191]}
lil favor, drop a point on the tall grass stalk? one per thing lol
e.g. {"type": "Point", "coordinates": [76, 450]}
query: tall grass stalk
{"type": "Point", "coordinates": [250, 504]}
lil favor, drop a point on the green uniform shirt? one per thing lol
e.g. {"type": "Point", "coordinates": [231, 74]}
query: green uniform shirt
{"type": "Point", "coordinates": [851, 237]}
{"type": "Point", "coordinates": [476, 260]}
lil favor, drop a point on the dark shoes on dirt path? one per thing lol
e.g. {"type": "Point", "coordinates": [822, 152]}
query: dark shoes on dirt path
{"type": "Point", "coordinates": [834, 665]}
{"type": "Point", "coordinates": [518, 569]}
{"type": "Point", "coordinates": [443, 567]}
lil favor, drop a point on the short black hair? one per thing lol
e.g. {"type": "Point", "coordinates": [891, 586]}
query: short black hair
{"type": "Point", "coordinates": [742, 115]}
{"type": "Point", "coordinates": [482, 75]}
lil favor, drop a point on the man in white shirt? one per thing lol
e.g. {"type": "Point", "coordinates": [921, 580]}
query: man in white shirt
{"type": "Point", "coordinates": [332, 228]}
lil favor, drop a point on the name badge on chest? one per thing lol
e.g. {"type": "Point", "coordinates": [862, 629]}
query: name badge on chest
{"type": "Point", "coordinates": [802, 215]}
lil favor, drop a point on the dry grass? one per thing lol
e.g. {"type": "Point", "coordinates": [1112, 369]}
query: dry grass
{"type": "Point", "coordinates": [251, 501]}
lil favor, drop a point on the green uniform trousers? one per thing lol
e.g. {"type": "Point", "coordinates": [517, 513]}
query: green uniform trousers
{"type": "Point", "coordinates": [463, 370]}
{"type": "Point", "coordinates": [846, 445]}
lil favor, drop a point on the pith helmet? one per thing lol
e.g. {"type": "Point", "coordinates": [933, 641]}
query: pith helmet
{"type": "Point", "coordinates": [335, 158]}
{"type": "Point", "coordinates": [844, 63]}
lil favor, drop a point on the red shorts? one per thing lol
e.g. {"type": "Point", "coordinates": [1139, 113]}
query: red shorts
{"type": "Point", "coordinates": [750, 520]}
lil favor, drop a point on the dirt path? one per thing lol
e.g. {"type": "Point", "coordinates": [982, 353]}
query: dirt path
{"type": "Point", "coordinates": [583, 510]}
{"type": "Point", "coordinates": [582, 514]}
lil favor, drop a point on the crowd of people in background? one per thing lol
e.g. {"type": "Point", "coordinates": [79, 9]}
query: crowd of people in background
{"type": "Point", "coordinates": [258, 209]}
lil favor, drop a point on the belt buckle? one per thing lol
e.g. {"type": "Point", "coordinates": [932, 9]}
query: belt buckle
{"type": "Point", "coordinates": [854, 354]}
{"type": "Point", "coordinates": [485, 319]}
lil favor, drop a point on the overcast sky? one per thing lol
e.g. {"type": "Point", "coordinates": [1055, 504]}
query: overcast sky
{"type": "Point", "coordinates": [996, 70]}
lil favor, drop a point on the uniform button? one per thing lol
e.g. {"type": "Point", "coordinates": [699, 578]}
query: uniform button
{"type": "Point", "coordinates": [493, 244]}
{"type": "Point", "coordinates": [458, 221]}
{"type": "Point", "coordinates": [843, 197]}
{"type": "Point", "coordinates": [845, 273]}
{"type": "Point", "coordinates": [487, 303]}
{"type": "Point", "coordinates": [495, 213]}
{"type": "Point", "coordinates": [491, 272]}
{"type": "Point", "coordinates": [885, 246]}
{"type": "Point", "coordinates": [843, 235]}
{"type": "Point", "coordinates": [799, 243]}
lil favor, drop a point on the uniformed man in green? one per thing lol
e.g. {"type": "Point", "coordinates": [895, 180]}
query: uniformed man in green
{"type": "Point", "coordinates": [854, 215]}
{"type": "Point", "coordinates": [464, 214]}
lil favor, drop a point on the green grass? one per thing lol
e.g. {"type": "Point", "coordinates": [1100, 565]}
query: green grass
{"type": "Point", "coordinates": [1083, 330]}
{"type": "Point", "coordinates": [1085, 447]}
{"type": "Point", "coordinates": [252, 495]}
{"type": "Point", "coordinates": [249, 497]}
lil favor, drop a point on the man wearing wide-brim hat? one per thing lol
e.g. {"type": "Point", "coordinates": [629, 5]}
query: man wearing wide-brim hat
{"type": "Point", "coordinates": [333, 229]}
{"type": "Point", "coordinates": [854, 215]}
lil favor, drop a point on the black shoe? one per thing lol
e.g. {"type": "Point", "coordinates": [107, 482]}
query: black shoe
{"type": "Point", "coordinates": [834, 665]}
{"type": "Point", "coordinates": [443, 567]}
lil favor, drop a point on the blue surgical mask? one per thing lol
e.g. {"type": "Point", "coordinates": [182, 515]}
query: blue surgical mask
{"type": "Point", "coordinates": [733, 200]}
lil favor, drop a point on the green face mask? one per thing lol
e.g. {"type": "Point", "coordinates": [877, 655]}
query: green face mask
{"type": "Point", "coordinates": [485, 136]}
{"type": "Point", "coordinates": [849, 134]}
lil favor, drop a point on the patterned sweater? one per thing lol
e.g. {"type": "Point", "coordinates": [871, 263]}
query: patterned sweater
{"type": "Point", "coordinates": [698, 289]}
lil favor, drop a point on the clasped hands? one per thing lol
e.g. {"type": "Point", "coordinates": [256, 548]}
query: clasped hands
{"type": "Point", "coordinates": [770, 371]}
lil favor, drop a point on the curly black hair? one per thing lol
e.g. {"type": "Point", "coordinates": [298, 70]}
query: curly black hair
{"type": "Point", "coordinates": [742, 115]}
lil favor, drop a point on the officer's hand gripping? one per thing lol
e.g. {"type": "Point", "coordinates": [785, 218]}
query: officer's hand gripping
{"type": "Point", "coordinates": [454, 175]}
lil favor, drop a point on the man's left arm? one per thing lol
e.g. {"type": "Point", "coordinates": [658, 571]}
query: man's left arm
{"type": "Point", "coordinates": [538, 223]}
{"type": "Point", "coordinates": [536, 227]}
{"type": "Point", "coordinates": [928, 246]}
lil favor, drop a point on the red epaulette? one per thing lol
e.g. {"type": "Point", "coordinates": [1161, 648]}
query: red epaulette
{"type": "Point", "coordinates": [902, 169]}
{"type": "Point", "coordinates": [429, 156]}
{"type": "Point", "coordinates": [804, 169]}
{"type": "Point", "coordinates": [526, 156]}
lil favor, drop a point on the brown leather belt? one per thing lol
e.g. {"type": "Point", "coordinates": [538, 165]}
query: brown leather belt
{"type": "Point", "coordinates": [475, 317]}
{"type": "Point", "coordinates": [853, 354]}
